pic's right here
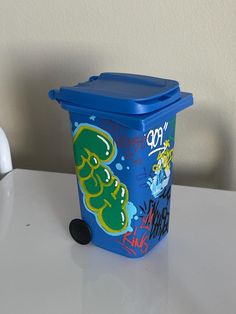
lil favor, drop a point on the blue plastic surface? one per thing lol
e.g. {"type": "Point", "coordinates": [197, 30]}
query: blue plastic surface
{"type": "Point", "coordinates": [121, 93]}
{"type": "Point", "coordinates": [139, 122]}
{"type": "Point", "coordinates": [123, 129]}
{"type": "Point", "coordinates": [132, 100]}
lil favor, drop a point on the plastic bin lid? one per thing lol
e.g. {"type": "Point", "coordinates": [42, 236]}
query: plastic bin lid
{"type": "Point", "coordinates": [120, 93]}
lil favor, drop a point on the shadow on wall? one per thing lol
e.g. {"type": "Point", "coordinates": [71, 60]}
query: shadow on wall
{"type": "Point", "coordinates": [204, 158]}
{"type": "Point", "coordinates": [46, 139]}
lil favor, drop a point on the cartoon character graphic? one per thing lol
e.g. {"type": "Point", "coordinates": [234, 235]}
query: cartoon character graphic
{"type": "Point", "coordinates": [162, 170]}
{"type": "Point", "coordinates": [104, 195]}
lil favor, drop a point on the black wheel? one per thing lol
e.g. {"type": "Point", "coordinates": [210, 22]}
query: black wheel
{"type": "Point", "coordinates": [80, 231]}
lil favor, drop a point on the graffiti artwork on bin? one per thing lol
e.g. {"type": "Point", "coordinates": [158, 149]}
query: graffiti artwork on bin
{"type": "Point", "coordinates": [104, 195]}
{"type": "Point", "coordinates": [130, 145]}
{"type": "Point", "coordinates": [107, 197]}
{"type": "Point", "coordinates": [154, 216]}
{"type": "Point", "coordinates": [161, 171]}
{"type": "Point", "coordinates": [161, 168]}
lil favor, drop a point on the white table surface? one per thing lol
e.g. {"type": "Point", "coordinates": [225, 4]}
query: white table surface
{"type": "Point", "coordinates": [42, 270]}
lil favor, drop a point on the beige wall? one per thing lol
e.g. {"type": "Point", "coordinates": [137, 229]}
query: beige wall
{"type": "Point", "coordinates": [45, 44]}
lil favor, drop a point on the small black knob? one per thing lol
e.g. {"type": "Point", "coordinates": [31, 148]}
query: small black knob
{"type": "Point", "coordinates": [80, 231]}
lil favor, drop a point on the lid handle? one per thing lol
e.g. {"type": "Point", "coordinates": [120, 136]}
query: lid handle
{"type": "Point", "coordinates": [54, 94]}
{"type": "Point", "coordinates": [169, 97]}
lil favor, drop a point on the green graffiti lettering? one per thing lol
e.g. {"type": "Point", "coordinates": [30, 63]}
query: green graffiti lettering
{"type": "Point", "coordinates": [104, 194]}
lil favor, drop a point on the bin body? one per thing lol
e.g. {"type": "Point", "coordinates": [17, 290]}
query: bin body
{"type": "Point", "coordinates": [124, 177]}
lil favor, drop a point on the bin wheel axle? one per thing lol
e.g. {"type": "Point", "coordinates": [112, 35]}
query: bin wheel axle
{"type": "Point", "coordinates": [80, 231]}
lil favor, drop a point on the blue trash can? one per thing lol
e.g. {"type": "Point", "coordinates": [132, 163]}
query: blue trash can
{"type": "Point", "coordinates": [123, 128]}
